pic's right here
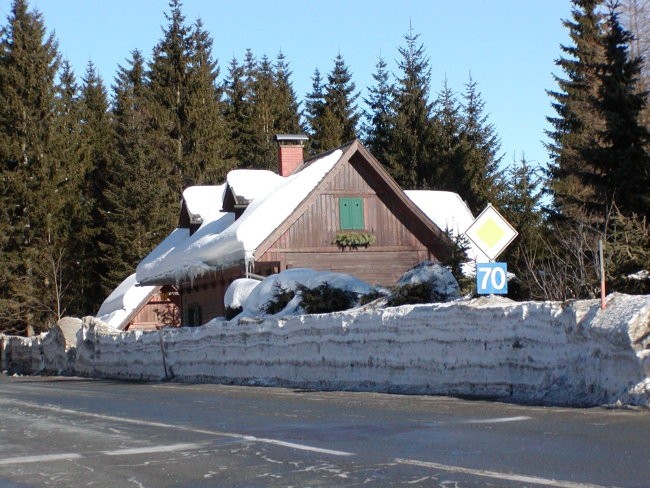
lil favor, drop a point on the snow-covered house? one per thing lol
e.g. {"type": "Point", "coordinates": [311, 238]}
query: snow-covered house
{"type": "Point", "coordinates": [339, 211]}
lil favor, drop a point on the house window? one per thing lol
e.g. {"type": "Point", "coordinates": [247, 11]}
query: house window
{"type": "Point", "coordinates": [351, 213]}
{"type": "Point", "coordinates": [193, 315]}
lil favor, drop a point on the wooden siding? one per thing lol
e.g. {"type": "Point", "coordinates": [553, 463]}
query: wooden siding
{"type": "Point", "coordinates": [307, 242]}
{"type": "Point", "coordinates": [207, 292]}
{"type": "Point", "coordinates": [160, 311]}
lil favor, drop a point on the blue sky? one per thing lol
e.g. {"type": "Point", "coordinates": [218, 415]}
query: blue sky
{"type": "Point", "coordinates": [508, 46]}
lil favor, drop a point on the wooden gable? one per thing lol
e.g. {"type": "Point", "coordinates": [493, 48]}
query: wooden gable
{"type": "Point", "coordinates": [403, 235]}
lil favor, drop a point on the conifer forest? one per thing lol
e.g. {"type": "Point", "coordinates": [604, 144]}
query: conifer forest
{"type": "Point", "coordinates": [93, 169]}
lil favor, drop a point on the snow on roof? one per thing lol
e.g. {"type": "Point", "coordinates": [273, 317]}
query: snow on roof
{"type": "Point", "coordinates": [222, 243]}
{"type": "Point", "coordinates": [249, 184]}
{"type": "Point", "coordinates": [448, 211]}
{"type": "Point", "coordinates": [203, 202]}
{"type": "Point", "coordinates": [123, 301]}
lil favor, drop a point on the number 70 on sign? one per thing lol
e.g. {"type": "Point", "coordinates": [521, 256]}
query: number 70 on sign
{"type": "Point", "coordinates": [491, 278]}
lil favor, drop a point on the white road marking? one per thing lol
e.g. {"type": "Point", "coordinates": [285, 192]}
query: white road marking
{"type": "Point", "coordinates": [155, 449]}
{"type": "Point", "coordinates": [496, 475]}
{"type": "Point", "coordinates": [40, 459]}
{"type": "Point", "coordinates": [231, 435]}
{"type": "Point", "coordinates": [498, 420]}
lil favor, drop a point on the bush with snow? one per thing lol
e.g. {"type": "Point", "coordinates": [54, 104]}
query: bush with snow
{"type": "Point", "coordinates": [426, 282]}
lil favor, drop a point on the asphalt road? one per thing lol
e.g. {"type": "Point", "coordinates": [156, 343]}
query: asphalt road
{"type": "Point", "coordinates": [70, 432]}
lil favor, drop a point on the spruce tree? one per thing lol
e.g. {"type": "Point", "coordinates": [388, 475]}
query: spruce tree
{"type": "Point", "coordinates": [237, 108]}
{"type": "Point", "coordinates": [287, 107]}
{"type": "Point", "coordinates": [449, 171]}
{"type": "Point", "coordinates": [411, 158]}
{"type": "Point", "coordinates": [30, 226]}
{"type": "Point", "coordinates": [578, 124]}
{"type": "Point", "coordinates": [340, 97]}
{"type": "Point", "coordinates": [314, 111]}
{"type": "Point", "coordinates": [204, 134]}
{"type": "Point", "coordinates": [379, 118]}
{"type": "Point", "coordinates": [134, 224]}
{"type": "Point", "coordinates": [623, 157]}
{"type": "Point", "coordinates": [481, 181]}
{"type": "Point", "coordinates": [90, 225]}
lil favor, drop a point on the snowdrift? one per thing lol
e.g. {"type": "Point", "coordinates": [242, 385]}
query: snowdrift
{"type": "Point", "coordinates": [546, 353]}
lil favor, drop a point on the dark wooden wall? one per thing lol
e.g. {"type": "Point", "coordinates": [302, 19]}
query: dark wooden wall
{"type": "Point", "coordinates": [308, 242]}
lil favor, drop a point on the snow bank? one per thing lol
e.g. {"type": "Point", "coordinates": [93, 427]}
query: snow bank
{"type": "Point", "coordinates": [546, 353]}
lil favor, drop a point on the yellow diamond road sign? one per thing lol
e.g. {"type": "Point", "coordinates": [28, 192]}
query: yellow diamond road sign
{"type": "Point", "coordinates": [491, 232]}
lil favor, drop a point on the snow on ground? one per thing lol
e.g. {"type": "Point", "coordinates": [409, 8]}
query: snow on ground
{"type": "Point", "coordinates": [123, 301]}
{"type": "Point", "coordinates": [548, 353]}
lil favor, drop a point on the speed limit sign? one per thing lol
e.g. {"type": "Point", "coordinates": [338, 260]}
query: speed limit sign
{"type": "Point", "coordinates": [491, 278]}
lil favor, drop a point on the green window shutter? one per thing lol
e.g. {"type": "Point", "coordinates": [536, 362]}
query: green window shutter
{"type": "Point", "coordinates": [351, 213]}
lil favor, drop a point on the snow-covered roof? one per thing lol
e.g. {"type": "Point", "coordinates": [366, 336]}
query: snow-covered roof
{"type": "Point", "coordinates": [448, 211]}
{"type": "Point", "coordinates": [222, 243]}
{"type": "Point", "coordinates": [126, 299]}
{"type": "Point", "coordinates": [203, 202]}
{"type": "Point", "coordinates": [250, 184]}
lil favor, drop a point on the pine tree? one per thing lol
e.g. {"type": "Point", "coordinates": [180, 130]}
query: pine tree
{"type": "Point", "coordinates": [287, 111]}
{"type": "Point", "coordinates": [204, 132]}
{"type": "Point", "coordinates": [481, 179]}
{"type": "Point", "coordinates": [90, 225]}
{"type": "Point", "coordinates": [449, 171]}
{"type": "Point", "coordinates": [237, 108]}
{"type": "Point", "coordinates": [340, 97]}
{"type": "Point", "coordinates": [134, 224]}
{"type": "Point", "coordinates": [623, 158]}
{"type": "Point", "coordinates": [521, 206]}
{"type": "Point", "coordinates": [379, 116]}
{"type": "Point", "coordinates": [330, 109]}
{"type": "Point", "coordinates": [314, 111]}
{"type": "Point", "coordinates": [30, 225]}
{"type": "Point", "coordinates": [636, 18]}
{"type": "Point", "coordinates": [577, 127]}
{"type": "Point", "coordinates": [411, 158]}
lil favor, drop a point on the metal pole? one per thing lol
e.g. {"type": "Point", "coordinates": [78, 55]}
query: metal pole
{"type": "Point", "coordinates": [603, 304]}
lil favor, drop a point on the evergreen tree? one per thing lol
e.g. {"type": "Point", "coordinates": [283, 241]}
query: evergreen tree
{"type": "Point", "coordinates": [90, 225]}
{"type": "Point", "coordinates": [237, 108]}
{"type": "Point", "coordinates": [481, 179]}
{"type": "Point", "coordinates": [31, 237]}
{"type": "Point", "coordinates": [623, 157]}
{"type": "Point", "coordinates": [340, 97]}
{"type": "Point", "coordinates": [204, 132]}
{"type": "Point", "coordinates": [315, 110]}
{"type": "Point", "coordinates": [331, 111]}
{"type": "Point", "coordinates": [287, 112]}
{"type": "Point", "coordinates": [449, 171]}
{"type": "Point", "coordinates": [411, 159]}
{"type": "Point", "coordinates": [578, 125]}
{"type": "Point", "coordinates": [134, 224]}
{"type": "Point", "coordinates": [379, 116]}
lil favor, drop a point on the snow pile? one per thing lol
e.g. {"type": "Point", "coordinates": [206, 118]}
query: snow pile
{"type": "Point", "coordinates": [547, 353]}
{"type": "Point", "coordinates": [124, 301]}
{"type": "Point", "coordinates": [443, 282]}
{"type": "Point", "coordinates": [251, 184]}
{"type": "Point", "coordinates": [238, 291]}
{"type": "Point", "coordinates": [289, 280]}
{"type": "Point", "coordinates": [204, 202]}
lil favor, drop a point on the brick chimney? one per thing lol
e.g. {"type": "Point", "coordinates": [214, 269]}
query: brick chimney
{"type": "Point", "coordinates": [290, 152]}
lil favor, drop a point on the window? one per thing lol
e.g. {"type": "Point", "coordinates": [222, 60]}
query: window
{"type": "Point", "coordinates": [193, 315]}
{"type": "Point", "coordinates": [351, 213]}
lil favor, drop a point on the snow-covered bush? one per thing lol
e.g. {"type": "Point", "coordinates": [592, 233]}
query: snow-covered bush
{"type": "Point", "coordinates": [281, 298]}
{"type": "Point", "coordinates": [325, 299]}
{"type": "Point", "coordinates": [425, 282]}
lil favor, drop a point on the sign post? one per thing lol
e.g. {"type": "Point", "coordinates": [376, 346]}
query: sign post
{"type": "Point", "coordinates": [491, 233]}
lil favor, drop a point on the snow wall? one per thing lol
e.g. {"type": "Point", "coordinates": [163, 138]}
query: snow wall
{"type": "Point", "coordinates": [545, 353]}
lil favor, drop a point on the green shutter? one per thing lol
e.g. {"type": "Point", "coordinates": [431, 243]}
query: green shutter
{"type": "Point", "coordinates": [351, 213]}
